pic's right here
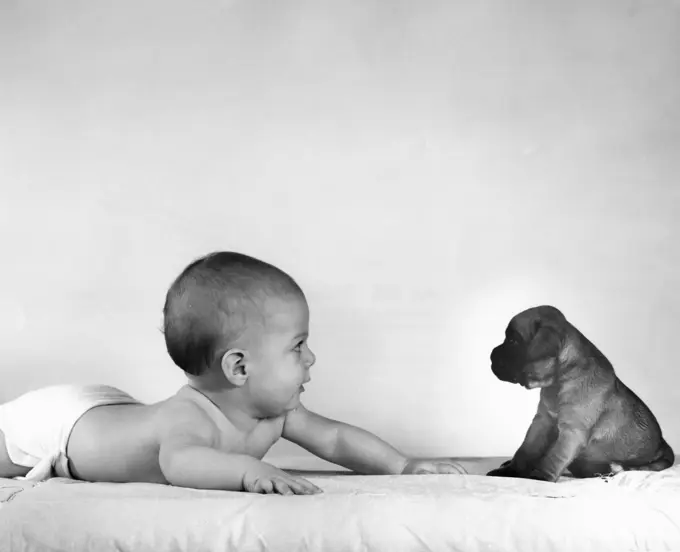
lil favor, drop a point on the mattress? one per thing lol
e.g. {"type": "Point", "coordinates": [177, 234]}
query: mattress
{"type": "Point", "coordinates": [625, 512]}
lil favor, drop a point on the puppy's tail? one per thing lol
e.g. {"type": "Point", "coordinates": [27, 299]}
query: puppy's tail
{"type": "Point", "coordinates": [665, 459]}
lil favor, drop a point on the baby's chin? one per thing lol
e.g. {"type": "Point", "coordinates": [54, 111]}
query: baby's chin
{"type": "Point", "coordinates": [297, 398]}
{"type": "Point", "coordinates": [294, 402]}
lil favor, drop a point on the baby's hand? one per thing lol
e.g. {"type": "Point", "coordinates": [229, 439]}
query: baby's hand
{"type": "Point", "coordinates": [268, 479]}
{"type": "Point", "coordinates": [418, 466]}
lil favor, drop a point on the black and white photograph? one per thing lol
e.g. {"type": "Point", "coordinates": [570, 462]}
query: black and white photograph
{"type": "Point", "coordinates": [340, 276]}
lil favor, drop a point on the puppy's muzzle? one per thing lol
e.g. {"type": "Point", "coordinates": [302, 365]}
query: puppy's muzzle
{"type": "Point", "coordinates": [504, 367]}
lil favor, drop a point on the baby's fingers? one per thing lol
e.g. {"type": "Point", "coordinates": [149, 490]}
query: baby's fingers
{"type": "Point", "coordinates": [295, 485]}
{"type": "Point", "coordinates": [450, 468]}
{"type": "Point", "coordinates": [265, 486]}
{"type": "Point", "coordinates": [284, 487]}
{"type": "Point", "coordinates": [308, 486]}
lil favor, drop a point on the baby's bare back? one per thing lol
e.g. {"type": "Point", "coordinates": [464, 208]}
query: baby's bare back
{"type": "Point", "coordinates": [117, 443]}
{"type": "Point", "coordinates": [121, 443]}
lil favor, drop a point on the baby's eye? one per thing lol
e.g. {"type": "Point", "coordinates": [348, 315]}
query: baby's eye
{"type": "Point", "coordinates": [298, 347]}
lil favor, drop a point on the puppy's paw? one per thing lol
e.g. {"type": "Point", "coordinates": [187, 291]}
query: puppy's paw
{"type": "Point", "coordinates": [541, 476]}
{"type": "Point", "coordinates": [505, 470]}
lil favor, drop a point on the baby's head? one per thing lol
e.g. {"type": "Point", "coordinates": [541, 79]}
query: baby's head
{"type": "Point", "coordinates": [235, 319]}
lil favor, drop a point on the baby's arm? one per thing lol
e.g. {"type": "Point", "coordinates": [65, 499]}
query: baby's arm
{"type": "Point", "coordinates": [188, 457]}
{"type": "Point", "coordinates": [343, 444]}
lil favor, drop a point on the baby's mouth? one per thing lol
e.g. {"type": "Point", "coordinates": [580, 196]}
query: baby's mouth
{"type": "Point", "coordinates": [302, 389]}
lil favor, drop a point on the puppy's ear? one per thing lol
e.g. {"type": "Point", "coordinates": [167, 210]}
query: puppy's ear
{"type": "Point", "coordinates": [546, 343]}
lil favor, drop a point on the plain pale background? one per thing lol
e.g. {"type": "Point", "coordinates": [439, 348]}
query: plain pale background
{"type": "Point", "coordinates": [424, 169]}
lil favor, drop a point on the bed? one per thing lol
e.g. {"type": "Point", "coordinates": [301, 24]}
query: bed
{"type": "Point", "coordinates": [625, 512]}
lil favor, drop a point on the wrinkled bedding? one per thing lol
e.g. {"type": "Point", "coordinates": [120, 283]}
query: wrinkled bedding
{"type": "Point", "coordinates": [628, 511]}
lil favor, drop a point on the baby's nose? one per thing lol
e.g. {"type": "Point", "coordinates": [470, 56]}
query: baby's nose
{"type": "Point", "coordinates": [311, 358]}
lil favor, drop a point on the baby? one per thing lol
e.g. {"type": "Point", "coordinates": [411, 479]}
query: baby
{"type": "Point", "coordinates": [238, 327]}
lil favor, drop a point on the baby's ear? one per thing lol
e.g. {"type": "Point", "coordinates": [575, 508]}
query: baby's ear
{"type": "Point", "coordinates": [234, 367]}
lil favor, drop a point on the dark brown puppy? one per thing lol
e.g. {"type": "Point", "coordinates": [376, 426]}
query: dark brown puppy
{"type": "Point", "coordinates": [587, 421]}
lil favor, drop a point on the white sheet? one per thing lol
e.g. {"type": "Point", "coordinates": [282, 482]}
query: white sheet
{"type": "Point", "coordinates": [630, 511]}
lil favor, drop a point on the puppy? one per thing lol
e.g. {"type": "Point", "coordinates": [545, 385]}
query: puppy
{"type": "Point", "coordinates": [587, 421]}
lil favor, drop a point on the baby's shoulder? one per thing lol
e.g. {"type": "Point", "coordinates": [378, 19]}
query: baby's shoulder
{"type": "Point", "coordinates": [179, 415]}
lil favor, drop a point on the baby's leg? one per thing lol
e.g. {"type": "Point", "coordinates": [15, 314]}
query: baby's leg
{"type": "Point", "coordinates": [8, 468]}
